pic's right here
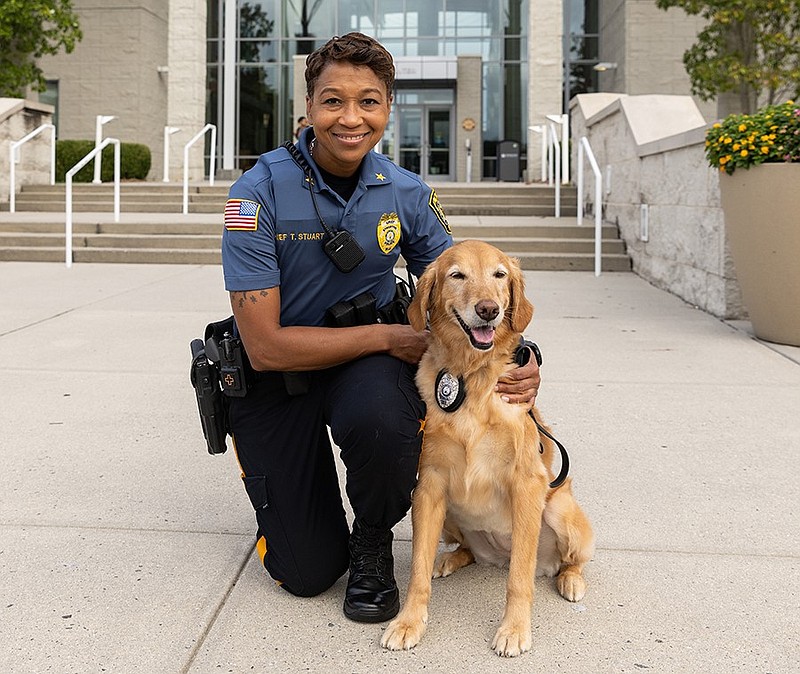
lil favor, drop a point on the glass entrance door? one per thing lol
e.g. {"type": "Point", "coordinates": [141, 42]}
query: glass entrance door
{"type": "Point", "coordinates": [424, 140]}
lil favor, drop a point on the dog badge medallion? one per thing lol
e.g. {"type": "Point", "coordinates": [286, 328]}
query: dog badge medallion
{"type": "Point", "coordinates": [388, 232]}
{"type": "Point", "coordinates": [449, 391]}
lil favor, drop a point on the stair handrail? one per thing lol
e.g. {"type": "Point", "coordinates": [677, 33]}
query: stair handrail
{"type": "Point", "coordinates": [585, 148]}
{"type": "Point", "coordinates": [541, 129]}
{"type": "Point", "coordinates": [555, 160]}
{"type": "Point", "coordinates": [72, 172]}
{"type": "Point", "coordinates": [211, 163]}
{"type": "Point", "coordinates": [14, 158]}
{"type": "Point", "coordinates": [563, 120]}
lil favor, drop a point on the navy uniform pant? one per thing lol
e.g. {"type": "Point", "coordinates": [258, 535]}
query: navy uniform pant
{"type": "Point", "coordinates": [375, 416]}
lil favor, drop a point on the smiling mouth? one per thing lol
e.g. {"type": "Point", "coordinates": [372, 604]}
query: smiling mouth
{"type": "Point", "coordinates": [351, 139]}
{"type": "Point", "coordinates": [481, 337]}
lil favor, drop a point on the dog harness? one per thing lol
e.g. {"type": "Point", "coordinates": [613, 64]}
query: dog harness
{"type": "Point", "coordinates": [450, 395]}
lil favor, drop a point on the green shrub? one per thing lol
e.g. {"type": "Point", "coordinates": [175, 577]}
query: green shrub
{"type": "Point", "coordinates": [134, 161]}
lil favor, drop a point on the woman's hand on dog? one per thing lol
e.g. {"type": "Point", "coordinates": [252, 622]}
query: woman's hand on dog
{"type": "Point", "coordinates": [520, 385]}
{"type": "Point", "coordinates": [406, 343]}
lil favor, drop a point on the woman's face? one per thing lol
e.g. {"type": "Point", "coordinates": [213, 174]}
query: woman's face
{"type": "Point", "coordinates": [349, 110]}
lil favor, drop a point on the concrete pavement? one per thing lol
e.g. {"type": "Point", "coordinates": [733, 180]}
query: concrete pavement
{"type": "Point", "coordinates": [125, 547]}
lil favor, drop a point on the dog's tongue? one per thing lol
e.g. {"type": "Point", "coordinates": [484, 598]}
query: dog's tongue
{"type": "Point", "coordinates": [483, 335]}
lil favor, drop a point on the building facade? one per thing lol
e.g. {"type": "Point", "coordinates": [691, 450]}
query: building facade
{"type": "Point", "coordinates": [470, 74]}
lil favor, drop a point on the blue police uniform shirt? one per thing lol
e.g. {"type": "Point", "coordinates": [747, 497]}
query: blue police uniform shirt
{"type": "Point", "coordinates": [273, 237]}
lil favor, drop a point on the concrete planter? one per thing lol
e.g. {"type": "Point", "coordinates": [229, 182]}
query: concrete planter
{"type": "Point", "coordinates": [762, 221]}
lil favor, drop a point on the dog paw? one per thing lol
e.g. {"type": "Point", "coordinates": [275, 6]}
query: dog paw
{"type": "Point", "coordinates": [402, 634]}
{"type": "Point", "coordinates": [571, 586]}
{"type": "Point", "coordinates": [511, 641]}
{"type": "Point", "coordinates": [445, 565]}
{"type": "Point", "coordinates": [448, 562]}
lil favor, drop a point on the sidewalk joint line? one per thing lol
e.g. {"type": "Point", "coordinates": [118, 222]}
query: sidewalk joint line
{"type": "Point", "coordinates": [204, 634]}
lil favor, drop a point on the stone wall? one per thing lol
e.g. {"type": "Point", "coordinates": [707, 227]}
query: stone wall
{"type": "Point", "coordinates": [647, 44]}
{"type": "Point", "coordinates": [186, 104]}
{"type": "Point", "coordinates": [18, 117]}
{"type": "Point", "coordinates": [143, 61]}
{"type": "Point", "coordinates": [468, 111]}
{"type": "Point", "coordinates": [650, 150]}
{"type": "Point", "coordinates": [545, 74]}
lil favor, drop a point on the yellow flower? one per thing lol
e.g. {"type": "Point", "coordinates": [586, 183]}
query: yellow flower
{"type": "Point", "coordinates": [724, 160]}
{"type": "Point", "coordinates": [727, 139]}
{"type": "Point", "coordinates": [744, 153]}
{"type": "Point", "coordinates": [765, 138]}
{"type": "Point", "coordinates": [765, 150]}
{"type": "Point", "coordinates": [736, 146]}
{"type": "Point", "coordinates": [717, 125]}
{"type": "Point", "coordinates": [742, 127]}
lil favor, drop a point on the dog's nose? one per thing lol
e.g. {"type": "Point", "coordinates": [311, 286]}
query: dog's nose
{"type": "Point", "coordinates": [487, 310]}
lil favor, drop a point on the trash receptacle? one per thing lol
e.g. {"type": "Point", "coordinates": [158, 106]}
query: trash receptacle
{"type": "Point", "coordinates": [508, 161]}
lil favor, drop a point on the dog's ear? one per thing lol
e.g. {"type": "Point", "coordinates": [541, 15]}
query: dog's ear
{"type": "Point", "coordinates": [418, 309]}
{"type": "Point", "coordinates": [521, 310]}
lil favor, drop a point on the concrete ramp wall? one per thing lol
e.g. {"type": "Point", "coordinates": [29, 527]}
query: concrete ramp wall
{"type": "Point", "coordinates": [661, 193]}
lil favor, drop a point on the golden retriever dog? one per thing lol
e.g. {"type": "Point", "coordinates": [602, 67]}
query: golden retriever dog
{"type": "Point", "coordinates": [485, 469]}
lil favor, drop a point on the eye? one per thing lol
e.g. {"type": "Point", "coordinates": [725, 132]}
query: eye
{"type": "Point", "coordinates": [370, 102]}
{"type": "Point", "coordinates": [330, 101]}
{"type": "Point", "coordinates": [500, 273]}
{"type": "Point", "coordinates": [457, 275]}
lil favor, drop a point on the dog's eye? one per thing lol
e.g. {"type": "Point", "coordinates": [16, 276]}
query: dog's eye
{"type": "Point", "coordinates": [457, 275]}
{"type": "Point", "coordinates": [500, 274]}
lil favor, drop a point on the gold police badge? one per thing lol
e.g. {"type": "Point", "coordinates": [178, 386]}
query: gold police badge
{"type": "Point", "coordinates": [388, 232]}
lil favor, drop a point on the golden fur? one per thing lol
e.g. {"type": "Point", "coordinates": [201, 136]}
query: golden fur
{"type": "Point", "coordinates": [481, 475]}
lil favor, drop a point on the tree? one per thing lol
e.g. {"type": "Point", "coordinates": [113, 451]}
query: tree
{"type": "Point", "coordinates": [29, 29]}
{"type": "Point", "coordinates": [750, 48]}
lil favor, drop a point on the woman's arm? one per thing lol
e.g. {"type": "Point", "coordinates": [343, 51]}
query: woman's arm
{"type": "Point", "coordinates": [271, 346]}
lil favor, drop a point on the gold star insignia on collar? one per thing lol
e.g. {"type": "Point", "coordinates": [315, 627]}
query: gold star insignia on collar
{"type": "Point", "coordinates": [380, 176]}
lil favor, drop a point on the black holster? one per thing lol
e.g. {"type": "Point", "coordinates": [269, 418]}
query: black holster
{"type": "Point", "coordinates": [218, 371]}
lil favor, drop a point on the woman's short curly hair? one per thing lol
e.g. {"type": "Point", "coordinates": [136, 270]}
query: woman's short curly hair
{"type": "Point", "coordinates": [355, 48]}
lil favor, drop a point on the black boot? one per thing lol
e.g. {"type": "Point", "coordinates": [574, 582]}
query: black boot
{"type": "Point", "coordinates": [371, 595]}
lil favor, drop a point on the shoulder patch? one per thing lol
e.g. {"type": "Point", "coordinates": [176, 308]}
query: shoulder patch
{"type": "Point", "coordinates": [436, 207]}
{"type": "Point", "coordinates": [241, 215]}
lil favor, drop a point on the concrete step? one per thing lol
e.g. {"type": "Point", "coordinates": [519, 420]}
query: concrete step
{"type": "Point", "coordinates": [528, 261]}
{"type": "Point", "coordinates": [126, 206]}
{"type": "Point", "coordinates": [497, 207]}
{"type": "Point", "coordinates": [91, 240]}
{"type": "Point", "coordinates": [113, 255]}
{"type": "Point", "coordinates": [520, 245]}
{"type": "Point", "coordinates": [539, 228]}
{"type": "Point", "coordinates": [153, 197]}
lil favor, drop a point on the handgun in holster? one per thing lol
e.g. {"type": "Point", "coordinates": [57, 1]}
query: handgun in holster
{"type": "Point", "coordinates": [204, 376]}
{"type": "Point", "coordinates": [218, 371]}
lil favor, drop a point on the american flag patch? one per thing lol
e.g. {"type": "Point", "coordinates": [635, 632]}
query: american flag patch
{"type": "Point", "coordinates": [241, 214]}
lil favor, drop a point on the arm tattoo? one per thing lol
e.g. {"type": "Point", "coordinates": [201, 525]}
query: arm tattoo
{"type": "Point", "coordinates": [241, 297]}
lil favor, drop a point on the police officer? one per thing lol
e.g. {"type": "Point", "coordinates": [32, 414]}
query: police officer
{"type": "Point", "coordinates": [283, 276]}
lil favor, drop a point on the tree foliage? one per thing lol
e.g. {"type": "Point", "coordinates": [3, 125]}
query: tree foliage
{"type": "Point", "coordinates": [29, 29]}
{"type": "Point", "coordinates": [749, 47]}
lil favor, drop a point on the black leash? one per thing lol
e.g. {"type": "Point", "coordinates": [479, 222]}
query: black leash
{"type": "Point", "coordinates": [450, 394]}
{"type": "Point", "coordinates": [562, 475]}
{"type": "Point", "coordinates": [523, 355]}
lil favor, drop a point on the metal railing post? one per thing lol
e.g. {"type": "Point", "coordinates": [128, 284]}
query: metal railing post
{"type": "Point", "coordinates": [100, 120]}
{"type": "Point", "coordinates": [556, 160]}
{"type": "Point", "coordinates": [68, 222]}
{"type": "Point", "coordinates": [563, 120]}
{"type": "Point", "coordinates": [168, 131]}
{"type": "Point", "coordinates": [598, 199]}
{"type": "Point", "coordinates": [211, 166]}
